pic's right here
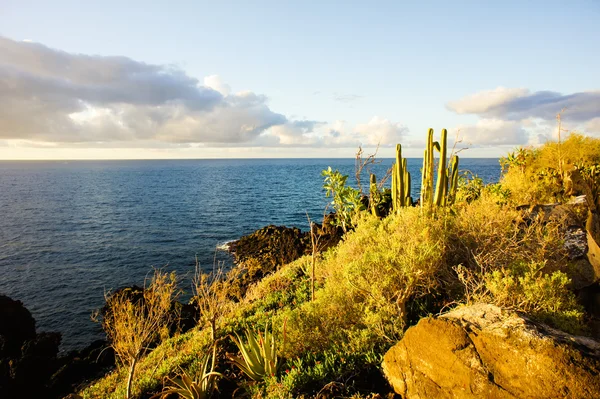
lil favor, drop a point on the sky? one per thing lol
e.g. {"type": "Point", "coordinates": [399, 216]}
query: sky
{"type": "Point", "coordinates": [261, 79]}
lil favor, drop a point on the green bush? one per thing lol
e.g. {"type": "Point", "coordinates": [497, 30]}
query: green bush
{"type": "Point", "coordinates": [368, 280]}
{"type": "Point", "coordinates": [524, 287]}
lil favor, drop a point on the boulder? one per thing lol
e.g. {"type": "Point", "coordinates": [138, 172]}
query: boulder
{"type": "Point", "coordinates": [16, 326]}
{"type": "Point", "coordinates": [271, 246]}
{"type": "Point", "coordinates": [27, 358]}
{"type": "Point", "coordinates": [481, 351]}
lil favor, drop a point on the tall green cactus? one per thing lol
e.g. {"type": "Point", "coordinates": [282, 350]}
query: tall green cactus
{"type": "Point", "coordinates": [400, 182]}
{"type": "Point", "coordinates": [443, 195]}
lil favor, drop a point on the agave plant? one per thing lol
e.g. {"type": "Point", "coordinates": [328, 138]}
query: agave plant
{"type": "Point", "coordinates": [259, 354]}
{"type": "Point", "coordinates": [188, 388]}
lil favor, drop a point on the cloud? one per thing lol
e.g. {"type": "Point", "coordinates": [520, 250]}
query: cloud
{"type": "Point", "coordinates": [50, 98]}
{"type": "Point", "coordinates": [314, 134]}
{"type": "Point", "coordinates": [593, 126]}
{"type": "Point", "coordinates": [381, 131]}
{"type": "Point", "coordinates": [519, 104]}
{"type": "Point", "coordinates": [297, 133]}
{"type": "Point", "coordinates": [493, 132]}
{"type": "Point", "coordinates": [216, 83]}
{"type": "Point", "coordinates": [517, 116]}
{"type": "Point", "coordinates": [54, 96]}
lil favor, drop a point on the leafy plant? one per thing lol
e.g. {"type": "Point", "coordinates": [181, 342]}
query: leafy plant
{"type": "Point", "coordinates": [259, 354]}
{"type": "Point", "coordinates": [189, 388]}
{"type": "Point", "coordinates": [346, 200]}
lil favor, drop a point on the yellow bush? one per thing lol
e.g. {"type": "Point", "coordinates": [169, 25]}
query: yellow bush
{"type": "Point", "coordinates": [369, 278]}
{"type": "Point", "coordinates": [487, 234]}
{"type": "Point", "coordinates": [541, 175]}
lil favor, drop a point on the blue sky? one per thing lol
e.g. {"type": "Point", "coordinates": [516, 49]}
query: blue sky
{"type": "Point", "coordinates": [291, 78]}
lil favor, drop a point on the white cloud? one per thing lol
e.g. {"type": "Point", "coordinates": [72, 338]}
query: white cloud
{"type": "Point", "coordinates": [493, 132]}
{"type": "Point", "coordinates": [381, 131]}
{"type": "Point", "coordinates": [216, 83]}
{"type": "Point", "coordinates": [297, 133]}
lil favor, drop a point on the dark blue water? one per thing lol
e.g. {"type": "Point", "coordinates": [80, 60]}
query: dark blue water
{"type": "Point", "coordinates": [69, 231]}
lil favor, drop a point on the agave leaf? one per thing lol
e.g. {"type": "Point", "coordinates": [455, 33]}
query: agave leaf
{"type": "Point", "coordinates": [249, 358]}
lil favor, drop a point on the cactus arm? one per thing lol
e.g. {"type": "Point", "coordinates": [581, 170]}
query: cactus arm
{"type": "Point", "coordinates": [453, 180]}
{"type": "Point", "coordinates": [399, 176]}
{"type": "Point", "coordinates": [373, 190]}
{"type": "Point", "coordinates": [407, 187]}
{"type": "Point", "coordinates": [394, 188]}
{"type": "Point", "coordinates": [423, 177]}
{"type": "Point", "coordinates": [429, 191]}
{"type": "Point", "coordinates": [442, 175]}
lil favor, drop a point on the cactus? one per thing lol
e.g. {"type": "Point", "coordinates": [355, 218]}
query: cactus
{"type": "Point", "coordinates": [427, 176]}
{"type": "Point", "coordinates": [443, 195]}
{"type": "Point", "coordinates": [442, 175]}
{"type": "Point", "coordinates": [374, 200]}
{"type": "Point", "coordinates": [453, 180]}
{"type": "Point", "coordinates": [400, 182]}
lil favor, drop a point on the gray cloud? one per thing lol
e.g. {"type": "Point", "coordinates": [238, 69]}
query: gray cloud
{"type": "Point", "coordinates": [55, 96]}
{"type": "Point", "coordinates": [519, 104]}
{"type": "Point", "coordinates": [517, 116]}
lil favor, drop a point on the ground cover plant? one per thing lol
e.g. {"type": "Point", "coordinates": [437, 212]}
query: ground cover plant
{"type": "Point", "coordinates": [326, 319]}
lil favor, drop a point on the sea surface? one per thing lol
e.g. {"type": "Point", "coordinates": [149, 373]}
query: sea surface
{"type": "Point", "coordinates": [71, 231]}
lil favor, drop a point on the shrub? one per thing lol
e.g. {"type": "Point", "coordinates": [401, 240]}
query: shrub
{"type": "Point", "coordinates": [542, 174]}
{"type": "Point", "coordinates": [346, 200]}
{"type": "Point", "coordinates": [212, 295]}
{"type": "Point", "coordinates": [131, 325]}
{"type": "Point", "coordinates": [368, 280]}
{"type": "Point", "coordinates": [494, 235]}
{"type": "Point", "coordinates": [526, 288]}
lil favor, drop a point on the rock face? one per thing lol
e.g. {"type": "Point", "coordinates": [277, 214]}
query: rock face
{"type": "Point", "coordinates": [27, 359]}
{"type": "Point", "coordinates": [481, 351]}
{"type": "Point", "coordinates": [265, 250]}
{"type": "Point", "coordinates": [29, 363]}
{"type": "Point", "coordinates": [271, 246]}
{"type": "Point", "coordinates": [16, 326]}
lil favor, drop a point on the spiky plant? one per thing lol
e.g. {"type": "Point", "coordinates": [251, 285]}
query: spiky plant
{"type": "Point", "coordinates": [258, 354]}
{"type": "Point", "coordinates": [189, 388]}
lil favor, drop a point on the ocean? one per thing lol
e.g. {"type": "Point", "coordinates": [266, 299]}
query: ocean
{"type": "Point", "coordinates": [72, 230]}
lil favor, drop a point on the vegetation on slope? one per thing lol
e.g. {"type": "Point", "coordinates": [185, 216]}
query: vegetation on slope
{"type": "Point", "coordinates": [383, 277]}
